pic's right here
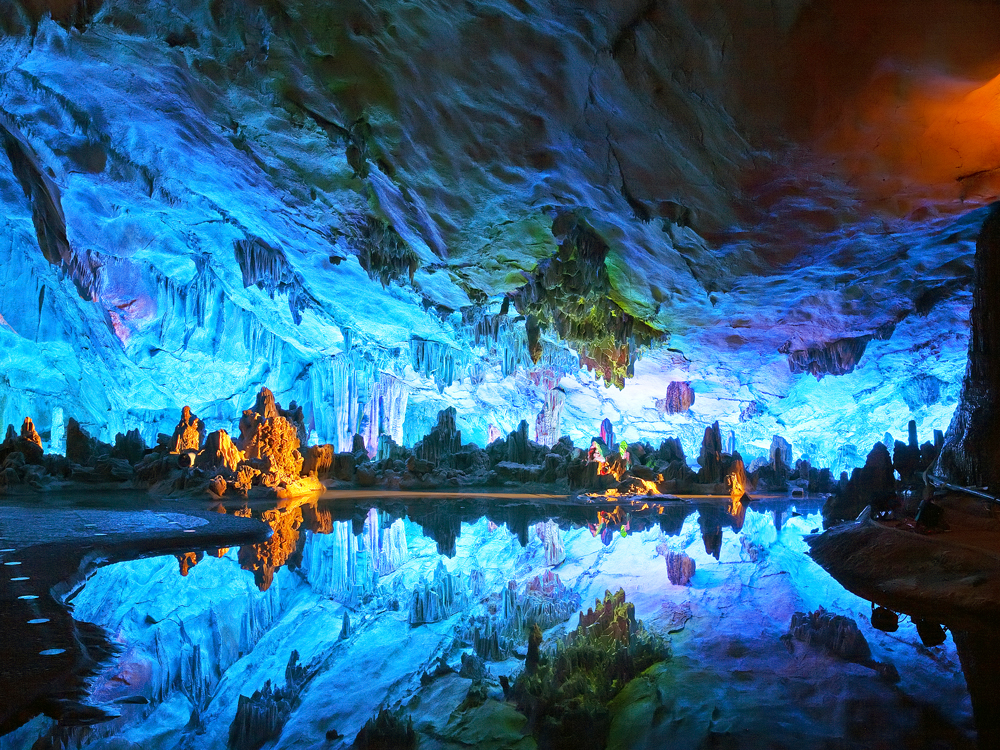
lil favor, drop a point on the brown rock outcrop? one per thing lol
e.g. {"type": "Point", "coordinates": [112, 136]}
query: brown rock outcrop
{"type": "Point", "coordinates": [971, 452]}
{"type": "Point", "coordinates": [81, 448]}
{"type": "Point", "coordinates": [679, 398]}
{"type": "Point", "coordinates": [874, 484]}
{"type": "Point", "coordinates": [318, 460]}
{"type": "Point", "coordinates": [680, 568]}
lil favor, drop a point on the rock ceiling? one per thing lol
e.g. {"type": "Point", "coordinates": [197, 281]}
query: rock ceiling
{"type": "Point", "coordinates": [483, 200]}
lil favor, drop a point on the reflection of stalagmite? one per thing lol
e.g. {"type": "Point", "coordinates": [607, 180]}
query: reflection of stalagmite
{"type": "Point", "coordinates": [439, 598]}
{"type": "Point", "coordinates": [264, 558]}
{"type": "Point", "coordinates": [188, 560]}
{"type": "Point", "coordinates": [680, 568]}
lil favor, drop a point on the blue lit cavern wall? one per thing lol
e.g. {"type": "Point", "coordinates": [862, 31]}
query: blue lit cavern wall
{"type": "Point", "coordinates": [499, 373]}
{"type": "Point", "coordinates": [358, 206]}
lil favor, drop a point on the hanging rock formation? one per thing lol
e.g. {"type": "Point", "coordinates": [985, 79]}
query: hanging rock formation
{"type": "Point", "coordinates": [679, 399]}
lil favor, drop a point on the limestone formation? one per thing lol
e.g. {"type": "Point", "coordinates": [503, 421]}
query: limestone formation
{"type": "Point", "coordinates": [678, 400]}
{"type": "Point", "coordinates": [188, 434]}
{"type": "Point", "coordinates": [438, 598]}
{"type": "Point", "coordinates": [318, 460]}
{"type": "Point", "coordinates": [710, 460]}
{"type": "Point", "coordinates": [129, 447]}
{"type": "Point", "coordinates": [29, 433]}
{"type": "Point", "coordinates": [971, 452]}
{"type": "Point", "coordinates": [81, 448]}
{"type": "Point", "coordinates": [220, 452]}
{"type": "Point", "coordinates": [270, 438]}
{"type": "Point", "coordinates": [444, 439]}
{"type": "Point", "coordinates": [839, 636]}
{"type": "Point", "coordinates": [872, 485]}
{"type": "Point", "coordinates": [261, 716]}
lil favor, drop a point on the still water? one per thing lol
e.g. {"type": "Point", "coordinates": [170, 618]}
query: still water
{"type": "Point", "coordinates": [426, 607]}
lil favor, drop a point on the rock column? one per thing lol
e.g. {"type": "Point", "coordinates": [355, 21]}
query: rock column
{"type": "Point", "coordinates": [971, 452]}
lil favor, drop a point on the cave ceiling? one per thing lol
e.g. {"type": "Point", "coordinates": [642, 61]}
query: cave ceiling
{"type": "Point", "coordinates": [776, 203]}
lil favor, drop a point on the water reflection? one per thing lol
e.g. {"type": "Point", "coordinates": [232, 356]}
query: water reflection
{"type": "Point", "coordinates": [441, 520]}
{"type": "Point", "coordinates": [428, 608]}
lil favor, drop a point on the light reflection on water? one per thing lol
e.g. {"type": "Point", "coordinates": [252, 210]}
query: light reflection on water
{"type": "Point", "coordinates": [382, 599]}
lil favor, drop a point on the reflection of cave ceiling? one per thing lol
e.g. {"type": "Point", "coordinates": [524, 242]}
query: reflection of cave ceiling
{"type": "Point", "coordinates": [482, 200]}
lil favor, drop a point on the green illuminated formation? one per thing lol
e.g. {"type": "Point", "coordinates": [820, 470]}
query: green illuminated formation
{"type": "Point", "coordinates": [565, 693]}
{"type": "Point", "coordinates": [571, 295]}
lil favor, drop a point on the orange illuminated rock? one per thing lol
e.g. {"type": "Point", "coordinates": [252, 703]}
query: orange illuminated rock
{"type": "Point", "coordinates": [188, 560]}
{"type": "Point", "coordinates": [218, 486]}
{"type": "Point", "coordinates": [189, 433]}
{"type": "Point", "coordinates": [220, 451]}
{"type": "Point", "coordinates": [245, 476]}
{"type": "Point", "coordinates": [267, 436]}
{"type": "Point", "coordinates": [29, 433]}
{"type": "Point", "coordinates": [318, 460]}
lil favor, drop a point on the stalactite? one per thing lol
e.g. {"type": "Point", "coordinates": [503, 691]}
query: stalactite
{"type": "Point", "coordinates": [549, 421]}
{"type": "Point", "coordinates": [341, 387]}
{"type": "Point", "coordinates": [385, 411]}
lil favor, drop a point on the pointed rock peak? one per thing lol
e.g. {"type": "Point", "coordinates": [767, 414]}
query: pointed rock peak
{"type": "Point", "coordinates": [265, 405]}
{"type": "Point", "coordinates": [189, 433]}
{"type": "Point", "coordinates": [29, 433]}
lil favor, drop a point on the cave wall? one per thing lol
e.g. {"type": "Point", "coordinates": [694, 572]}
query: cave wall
{"type": "Point", "coordinates": [200, 198]}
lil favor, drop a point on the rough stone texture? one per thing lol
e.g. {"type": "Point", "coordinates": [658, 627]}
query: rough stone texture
{"type": "Point", "coordinates": [710, 460]}
{"type": "Point", "coordinates": [220, 451]}
{"type": "Point", "coordinates": [81, 448]}
{"type": "Point", "coordinates": [188, 434]}
{"type": "Point", "coordinates": [443, 440]}
{"type": "Point", "coordinates": [840, 636]}
{"type": "Point", "coordinates": [680, 568]}
{"type": "Point", "coordinates": [29, 433]}
{"type": "Point", "coordinates": [680, 397]}
{"type": "Point", "coordinates": [272, 439]}
{"type": "Point", "coordinates": [971, 452]}
{"type": "Point", "coordinates": [772, 194]}
{"type": "Point", "coordinates": [874, 484]}
{"type": "Point", "coordinates": [318, 460]}
{"type": "Point", "coordinates": [129, 446]}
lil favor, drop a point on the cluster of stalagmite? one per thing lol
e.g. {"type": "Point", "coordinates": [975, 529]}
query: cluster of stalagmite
{"type": "Point", "coordinates": [266, 455]}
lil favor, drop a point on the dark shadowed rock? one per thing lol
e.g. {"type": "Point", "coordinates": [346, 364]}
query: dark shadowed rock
{"type": "Point", "coordinates": [873, 484]}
